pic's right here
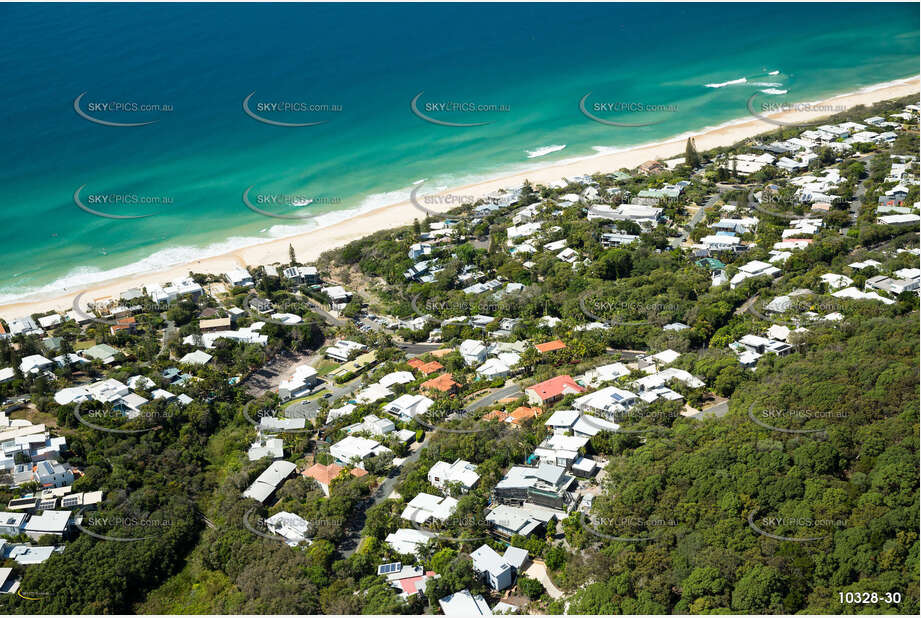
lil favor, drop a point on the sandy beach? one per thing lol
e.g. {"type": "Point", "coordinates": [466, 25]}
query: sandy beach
{"type": "Point", "coordinates": [310, 245]}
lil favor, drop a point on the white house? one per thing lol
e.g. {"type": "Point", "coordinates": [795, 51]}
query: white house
{"type": "Point", "coordinates": [354, 449]}
{"type": "Point", "coordinates": [408, 540]}
{"type": "Point", "coordinates": [35, 363]}
{"type": "Point", "coordinates": [289, 525]}
{"type": "Point", "coordinates": [407, 407]}
{"type": "Point", "coordinates": [473, 352]}
{"type": "Point", "coordinates": [462, 473]}
{"type": "Point", "coordinates": [498, 574]}
{"type": "Point", "coordinates": [239, 277]}
{"type": "Point", "coordinates": [341, 350]}
{"type": "Point", "coordinates": [302, 382]}
{"type": "Point", "coordinates": [464, 605]}
{"type": "Point", "coordinates": [425, 506]}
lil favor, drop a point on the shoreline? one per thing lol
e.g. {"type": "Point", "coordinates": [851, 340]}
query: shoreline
{"type": "Point", "coordinates": [310, 244]}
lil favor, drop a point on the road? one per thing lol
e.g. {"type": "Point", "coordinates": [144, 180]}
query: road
{"type": "Point", "coordinates": [512, 390]}
{"type": "Point", "coordinates": [717, 411]}
{"type": "Point", "coordinates": [309, 408]}
{"type": "Point", "coordinates": [418, 349]}
{"type": "Point", "coordinates": [349, 543]}
{"type": "Point", "coordinates": [317, 308]}
{"type": "Point", "coordinates": [695, 219]}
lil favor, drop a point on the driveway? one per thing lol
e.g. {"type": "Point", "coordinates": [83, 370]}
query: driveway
{"type": "Point", "coordinates": [512, 390]}
{"type": "Point", "coordinates": [537, 570]}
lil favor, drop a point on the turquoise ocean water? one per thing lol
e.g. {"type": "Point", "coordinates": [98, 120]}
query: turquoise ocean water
{"type": "Point", "coordinates": [533, 63]}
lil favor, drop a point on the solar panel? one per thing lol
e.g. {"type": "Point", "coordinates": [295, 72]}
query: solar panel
{"type": "Point", "coordinates": [392, 567]}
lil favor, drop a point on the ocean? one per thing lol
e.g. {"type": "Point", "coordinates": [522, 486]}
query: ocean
{"type": "Point", "coordinates": [350, 72]}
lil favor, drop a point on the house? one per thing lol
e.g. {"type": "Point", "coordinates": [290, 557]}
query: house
{"type": "Point", "coordinates": [560, 450]}
{"type": "Point", "coordinates": [418, 250]}
{"type": "Point", "coordinates": [396, 377]}
{"type": "Point", "coordinates": [102, 352]}
{"type": "Point", "coordinates": [24, 326]}
{"type": "Point", "coordinates": [550, 346]}
{"type": "Point", "coordinates": [266, 447]}
{"type": "Point", "coordinates": [423, 367]}
{"type": "Point", "coordinates": [301, 274]}
{"type": "Point", "coordinates": [267, 482]}
{"type": "Point", "coordinates": [12, 524]}
{"type": "Point", "coordinates": [464, 605]}
{"type": "Point", "coordinates": [34, 364]}
{"type": "Point", "coordinates": [55, 523]}
{"type": "Point", "coordinates": [325, 474]}
{"type": "Point", "coordinates": [605, 373]}
{"type": "Point", "coordinates": [461, 474]}
{"type": "Point", "coordinates": [610, 401]}
{"type": "Point", "coordinates": [338, 296]}
{"type": "Point", "coordinates": [407, 407]}
{"type": "Point", "coordinates": [239, 277]}
{"type": "Point", "coordinates": [342, 349]}
{"type": "Point", "coordinates": [8, 583]}
{"type": "Point", "coordinates": [354, 450]}
{"type": "Point", "coordinates": [858, 295]}
{"type": "Point", "coordinates": [302, 382]}
{"type": "Point", "coordinates": [408, 541]}
{"type": "Point", "coordinates": [498, 574]}
{"type": "Point", "coordinates": [507, 521]}
{"type": "Point", "coordinates": [721, 242]}
{"type": "Point", "coordinates": [755, 268]}
{"type": "Point", "coordinates": [373, 425]}
{"type": "Point", "coordinates": [521, 414]}
{"type": "Point", "coordinates": [407, 579]}
{"type": "Point", "coordinates": [372, 393]}
{"type": "Point", "coordinates": [442, 384]}
{"type": "Point", "coordinates": [198, 357]}
{"type": "Point", "coordinates": [898, 220]}
{"type": "Point", "coordinates": [546, 485]}
{"type": "Point", "coordinates": [552, 390]}
{"type": "Point", "coordinates": [834, 281]}
{"type": "Point", "coordinates": [50, 473]}
{"type": "Point", "coordinates": [292, 527]}
{"type": "Point", "coordinates": [425, 506]}
{"type": "Point", "coordinates": [473, 352]}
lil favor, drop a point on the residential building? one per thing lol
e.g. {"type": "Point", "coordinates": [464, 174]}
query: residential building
{"type": "Point", "coordinates": [461, 474]}
{"type": "Point", "coordinates": [302, 382]}
{"type": "Point", "coordinates": [425, 507]}
{"type": "Point", "coordinates": [342, 349]}
{"type": "Point", "coordinates": [267, 482]}
{"type": "Point", "coordinates": [464, 605]}
{"type": "Point", "coordinates": [407, 407]}
{"type": "Point", "coordinates": [497, 573]}
{"type": "Point", "coordinates": [552, 390]}
{"type": "Point", "coordinates": [355, 450]}
{"type": "Point", "coordinates": [55, 523]}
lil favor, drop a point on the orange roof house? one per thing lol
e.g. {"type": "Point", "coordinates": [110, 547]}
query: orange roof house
{"type": "Point", "coordinates": [497, 415]}
{"type": "Point", "coordinates": [323, 475]}
{"type": "Point", "coordinates": [128, 324]}
{"type": "Point", "coordinates": [550, 346]}
{"type": "Point", "coordinates": [443, 384]}
{"type": "Point", "coordinates": [552, 390]}
{"type": "Point", "coordinates": [522, 413]}
{"type": "Point", "coordinates": [415, 363]}
{"type": "Point", "coordinates": [431, 367]}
